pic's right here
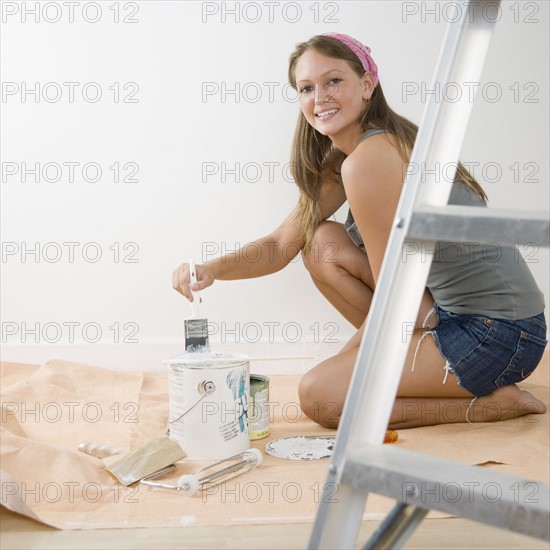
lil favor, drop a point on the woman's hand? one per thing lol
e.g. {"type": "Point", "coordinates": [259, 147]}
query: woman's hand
{"type": "Point", "coordinates": [181, 280]}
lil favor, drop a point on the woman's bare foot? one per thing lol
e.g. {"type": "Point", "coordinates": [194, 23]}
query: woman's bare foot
{"type": "Point", "coordinates": [503, 404]}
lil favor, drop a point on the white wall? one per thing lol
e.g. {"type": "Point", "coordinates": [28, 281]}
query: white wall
{"type": "Point", "coordinates": [178, 53]}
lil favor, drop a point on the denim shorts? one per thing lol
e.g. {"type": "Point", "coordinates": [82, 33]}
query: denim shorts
{"type": "Point", "coordinates": [486, 354]}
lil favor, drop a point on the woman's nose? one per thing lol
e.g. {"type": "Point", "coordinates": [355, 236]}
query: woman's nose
{"type": "Point", "coordinates": [321, 93]}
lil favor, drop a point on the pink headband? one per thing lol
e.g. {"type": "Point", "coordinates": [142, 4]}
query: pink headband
{"type": "Point", "coordinates": [360, 50]}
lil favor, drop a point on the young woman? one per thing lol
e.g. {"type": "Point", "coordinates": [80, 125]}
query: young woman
{"type": "Point", "coordinates": [484, 312]}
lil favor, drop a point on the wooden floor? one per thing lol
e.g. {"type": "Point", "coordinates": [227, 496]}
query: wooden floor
{"type": "Point", "coordinates": [19, 532]}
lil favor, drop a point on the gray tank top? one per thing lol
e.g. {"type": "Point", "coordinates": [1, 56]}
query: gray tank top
{"type": "Point", "coordinates": [475, 278]}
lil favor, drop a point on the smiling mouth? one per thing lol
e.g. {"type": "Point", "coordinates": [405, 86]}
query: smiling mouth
{"type": "Point", "coordinates": [325, 114]}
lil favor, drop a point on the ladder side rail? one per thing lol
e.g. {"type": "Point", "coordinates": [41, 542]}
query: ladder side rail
{"type": "Point", "coordinates": [372, 390]}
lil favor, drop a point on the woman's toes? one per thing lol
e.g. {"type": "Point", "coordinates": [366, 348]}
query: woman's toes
{"type": "Point", "coordinates": [506, 403]}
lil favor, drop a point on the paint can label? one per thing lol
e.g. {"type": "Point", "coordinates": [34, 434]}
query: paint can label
{"type": "Point", "coordinates": [208, 405]}
{"type": "Point", "coordinates": [259, 406]}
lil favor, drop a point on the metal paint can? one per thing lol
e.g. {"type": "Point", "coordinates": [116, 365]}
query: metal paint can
{"type": "Point", "coordinates": [209, 396]}
{"type": "Point", "coordinates": [259, 406]}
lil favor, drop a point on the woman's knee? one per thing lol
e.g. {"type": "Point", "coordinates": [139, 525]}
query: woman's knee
{"type": "Point", "coordinates": [304, 387]}
{"type": "Point", "coordinates": [311, 391]}
{"type": "Point", "coordinates": [322, 255]}
{"type": "Point", "coordinates": [308, 393]}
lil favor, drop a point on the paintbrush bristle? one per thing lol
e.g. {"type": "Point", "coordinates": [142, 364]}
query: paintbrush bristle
{"type": "Point", "coordinates": [196, 336]}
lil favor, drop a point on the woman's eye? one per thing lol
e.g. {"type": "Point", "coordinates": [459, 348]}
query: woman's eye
{"type": "Point", "coordinates": [335, 80]}
{"type": "Point", "coordinates": [306, 89]}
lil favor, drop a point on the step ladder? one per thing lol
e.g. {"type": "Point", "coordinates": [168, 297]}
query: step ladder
{"type": "Point", "coordinates": [360, 462]}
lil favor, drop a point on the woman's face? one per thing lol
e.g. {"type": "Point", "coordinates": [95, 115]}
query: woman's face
{"type": "Point", "coordinates": [332, 96]}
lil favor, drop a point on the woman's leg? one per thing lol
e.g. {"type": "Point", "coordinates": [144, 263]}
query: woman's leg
{"type": "Point", "coordinates": [341, 271]}
{"type": "Point", "coordinates": [422, 398]}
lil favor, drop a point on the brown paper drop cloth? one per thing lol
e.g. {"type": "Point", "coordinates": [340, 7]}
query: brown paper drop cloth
{"type": "Point", "coordinates": [48, 410]}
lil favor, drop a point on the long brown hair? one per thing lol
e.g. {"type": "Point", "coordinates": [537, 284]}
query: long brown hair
{"type": "Point", "coordinates": [313, 156]}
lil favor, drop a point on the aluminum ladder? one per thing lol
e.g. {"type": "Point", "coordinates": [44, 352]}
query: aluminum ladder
{"type": "Point", "coordinates": [360, 462]}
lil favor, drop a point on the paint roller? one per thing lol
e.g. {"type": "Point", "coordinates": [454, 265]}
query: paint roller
{"type": "Point", "coordinates": [158, 456]}
{"type": "Point", "coordinates": [231, 468]}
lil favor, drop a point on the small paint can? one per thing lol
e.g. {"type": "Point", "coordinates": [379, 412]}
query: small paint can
{"type": "Point", "coordinates": [259, 406]}
{"type": "Point", "coordinates": [209, 396]}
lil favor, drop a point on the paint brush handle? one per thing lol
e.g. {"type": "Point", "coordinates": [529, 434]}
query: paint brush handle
{"type": "Point", "coordinates": [99, 450]}
{"type": "Point", "coordinates": [196, 296]}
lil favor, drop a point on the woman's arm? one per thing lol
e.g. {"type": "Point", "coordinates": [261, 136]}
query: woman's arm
{"type": "Point", "coordinates": [263, 256]}
{"type": "Point", "coordinates": [373, 179]}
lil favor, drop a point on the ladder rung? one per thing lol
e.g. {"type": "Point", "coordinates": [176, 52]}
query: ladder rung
{"type": "Point", "coordinates": [479, 225]}
{"type": "Point", "coordinates": [472, 492]}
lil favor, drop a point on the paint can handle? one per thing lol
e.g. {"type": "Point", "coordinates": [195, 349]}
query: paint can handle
{"type": "Point", "coordinates": [206, 388]}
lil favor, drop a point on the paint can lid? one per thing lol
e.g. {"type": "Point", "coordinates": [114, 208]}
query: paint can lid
{"type": "Point", "coordinates": [308, 447]}
{"type": "Point", "coordinates": [211, 359]}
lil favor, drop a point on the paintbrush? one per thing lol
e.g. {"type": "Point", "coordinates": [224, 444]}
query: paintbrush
{"type": "Point", "coordinates": [151, 457]}
{"type": "Point", "coordinates": [196, 329]}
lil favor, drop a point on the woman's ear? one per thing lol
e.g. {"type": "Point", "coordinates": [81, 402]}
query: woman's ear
{"type": "Point", "coordinates": [368, 85]}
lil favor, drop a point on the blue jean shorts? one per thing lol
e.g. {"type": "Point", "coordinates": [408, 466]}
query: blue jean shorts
{"type": "Point", "coordinates": [486, 354]}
